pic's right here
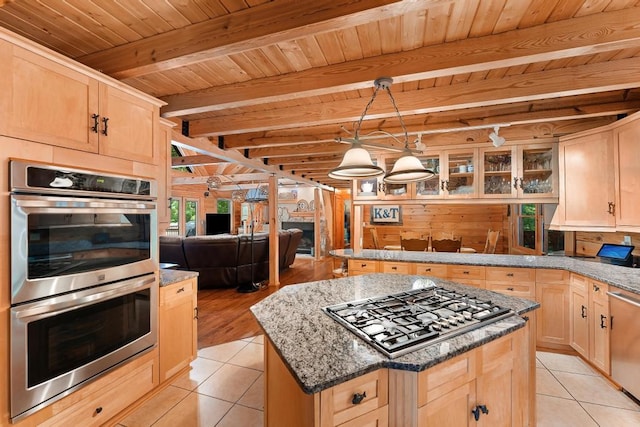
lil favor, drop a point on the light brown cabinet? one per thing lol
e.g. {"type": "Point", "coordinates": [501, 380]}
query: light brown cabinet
{"type": "Point", "coordinates": [553, 318]}
{"type": "Point", "coordinates": [397, 267]}
{"type": "Point", "coordinates": [358, 267]}
{"type": "Point", "coordinates": [178, 337]}
{"type": "Point", "coordinates": [471, 275]}
{"type": "Point", "coordinates": [627, 175]}
{"type": "Point", "coordinates": [590, 321]}
{"type": "Point", "coordinates": [52, 100]}
{"type": "Point", "coordinates": [512, 281]}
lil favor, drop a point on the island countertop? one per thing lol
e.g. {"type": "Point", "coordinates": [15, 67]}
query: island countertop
{"type": "Point", "coordinates": [321, 353]}
{"type": "Point", "coordinates": [621, 277]}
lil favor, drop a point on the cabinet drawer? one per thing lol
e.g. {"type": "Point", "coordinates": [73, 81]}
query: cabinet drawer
{"type": "Point", "coordinates": [445, 377]}
{"type": "Point", "coordinates": [436, 270]}
{"type": "Point", "coordinates": [526, 290]}
{"type": "Point", "coordinates": [510, 275]}
{"type": "Point", "coordinates": [396, 267]}
{"type": "Point", "coordinates": [102, 405]}
{"type": "Point", "coordinates": [177, 292]}
{"type": "Point", "coordinates": [579, 282]}
{"type": "Point", "coordinates": [376, 418]}
{"type": "Point", "coordinates": [465, 272]}
{"type": "Point", "coordinates": [362, 267]}
{"type": "Point", "coordinates": [552, 276]}
{"type": "Point", "coordinates": [340, 403]}
{"type": "Point", "coordinates": [598, 290]}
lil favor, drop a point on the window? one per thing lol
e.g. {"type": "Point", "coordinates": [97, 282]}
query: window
{"type": "Point", "coordinates": [191, 217]}
{"type": "Point", "coordinates": [526, 226]}
{"type": "Point", "coordinates": [224, 206]}
{"type": "Point", "coordinates": [530, 233]}
{"type": "Point", "coordinates": [174, 226]}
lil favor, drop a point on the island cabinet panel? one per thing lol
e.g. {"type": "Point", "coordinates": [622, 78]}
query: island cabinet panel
{"type": "Point", "coordinates": [358, 267]}
{"type": "Point", "coordinates": [553, 317]}
{"type": "Point", "coordinates": [491, 383]}
{"type": "Point", "coordinates": [467, 275]}
{"type": "Point", "coordinates": [178, 327]}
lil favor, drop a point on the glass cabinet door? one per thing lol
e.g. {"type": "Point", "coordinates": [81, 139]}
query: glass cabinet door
{"type": "Point", "coordinates": [461, 167]}
{"type": "Point", "coordinates": [366, 188]}
{"type": "Point", "coordinates": [537, 177]}
{"type": "Point", "coordinates": [498, 168]}
{"type": "Point", "coordinates": [430, 188]}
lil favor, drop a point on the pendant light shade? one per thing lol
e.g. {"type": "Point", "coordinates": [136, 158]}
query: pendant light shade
{"type": "Point", "coordinates": [408, 168]}
{"type": "Point", "coordinates": [356, 163]}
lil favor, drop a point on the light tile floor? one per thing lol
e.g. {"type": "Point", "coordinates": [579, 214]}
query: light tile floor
{"type": "Point", "coordinates": [224, 388]}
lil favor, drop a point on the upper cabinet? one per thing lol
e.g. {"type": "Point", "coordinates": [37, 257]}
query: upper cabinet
{"type": "Point", "coordinates": [627, 175]}
{"type": "Point", "coordinates": [49, 99]}
{"type": "Point", "coordinates": [456, 175]}
{"type": "Point", "coordinates": [376, 189]}
{"type": "Point", "coordinates": [600, 172]}
{"type": "Point", "coordinates": [522, 171]}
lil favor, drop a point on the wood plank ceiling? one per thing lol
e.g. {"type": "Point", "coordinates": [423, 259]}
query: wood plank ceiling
{"type": "Point", "coordinates": [278, 81]}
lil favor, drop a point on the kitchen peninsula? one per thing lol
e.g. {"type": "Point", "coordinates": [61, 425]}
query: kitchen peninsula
{"type": "Point", "coordinates": [319, 373]}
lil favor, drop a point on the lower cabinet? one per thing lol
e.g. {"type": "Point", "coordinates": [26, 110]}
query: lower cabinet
{"type": "Point", "coordinates": [553, 317]}
{"type": "Point", "coordinates": [178, 338]}
{"type": "Point", "coordinates": [471, 275]}
{"type": "Point", "coordinates": [358, 267]}
{"type": "Point", "coordinates": [590, 321]}
{"type": "Point", "coordinates": [99, 402]}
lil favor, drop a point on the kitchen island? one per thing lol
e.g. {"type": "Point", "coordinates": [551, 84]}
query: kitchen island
{"type": "Point", "coordinates": [319, 373]}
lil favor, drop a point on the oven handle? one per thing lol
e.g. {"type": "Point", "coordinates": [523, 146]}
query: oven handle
{"type": "Point", "coordinates": [76, 203]}
{"type": "Point", "coordinates": [58, 305]}
{"type": "Point", "coordinates": [624, 298]}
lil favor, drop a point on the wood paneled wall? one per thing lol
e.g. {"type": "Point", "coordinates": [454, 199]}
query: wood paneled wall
{"type": "Point", "coordinates": [588, 243]}
{"type": "Point", "coordinates": [471, 222]}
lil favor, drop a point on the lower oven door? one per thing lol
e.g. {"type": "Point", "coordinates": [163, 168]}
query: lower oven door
{"type": "Point", "coordinates": [60, 343]}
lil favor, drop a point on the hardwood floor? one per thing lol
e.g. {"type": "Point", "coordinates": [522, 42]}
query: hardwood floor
{"type": "Point", "coordinates": [224, 316]}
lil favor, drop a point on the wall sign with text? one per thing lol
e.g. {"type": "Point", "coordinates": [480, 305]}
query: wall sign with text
{"type": "Point", "coordinates": [386, 214]}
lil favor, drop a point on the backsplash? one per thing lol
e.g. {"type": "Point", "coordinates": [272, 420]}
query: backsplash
{"type": "Point", "coordinates": [588, 243]}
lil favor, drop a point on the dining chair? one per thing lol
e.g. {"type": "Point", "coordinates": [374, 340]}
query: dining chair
{"type": "Point", "coordinates": [374, 237]}
{"type": "Point", "coordinates": [492, 242]}
{"type": "Point", "coordinates": [414, 244]}
{"type": "Point", "coordinates": [446, 245]}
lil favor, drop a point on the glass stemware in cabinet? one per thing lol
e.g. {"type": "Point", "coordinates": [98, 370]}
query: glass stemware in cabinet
{"type": "Point", "coordinates": [430, 187]}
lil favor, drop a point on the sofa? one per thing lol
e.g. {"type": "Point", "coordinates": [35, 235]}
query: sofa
{"type": "Point", "coordinates": [225, 260]}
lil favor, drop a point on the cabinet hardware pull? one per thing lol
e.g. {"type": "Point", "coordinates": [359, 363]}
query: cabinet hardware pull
{"type": "Point", "coordinates": [105, 122]}
{"type": "Point", "coordinates": [358, 397]}
{"type": "Point", "coordinates": [363, 265]}
{"type": "Point", "coordinates": [465, 272]}
{"type": "Point", "coordinates": [98, 409]}
{"type": "Point", "coordinates": [603, 319]}
{"type": "Point", "coordinates": [509, 274]}
{"type": "Point", "coordinates": [381, 187]}
{"type": "Point", "coordinates": [515, 183]}
{"type": "Point", "coordinates": [442, 184]}
{"type": "Point", "coordinates": [476, 411]}
{"type": "Point", "coordinates": [195, 313]}
{"type": "Point", "coordinates": [94, 128]}
{"type": "Point", "coordinates": [521, 183]}
{"type": "Point", "coordinates": [596, 288]}
{"type": "Point", "coordinates": [583, 312]}
{"type": "Point", "coordinates": [510, 289]}
{"type": "Point", "coordinates": [612, 208]}
{"type": "Point", "coordinates": [394, 268]}
{"type": "Point", "coordinates": [427, 269]}
{"type": "Point", "coordinates": [526, 318]}
{"type": "Point", "coordinates": [180, 290]}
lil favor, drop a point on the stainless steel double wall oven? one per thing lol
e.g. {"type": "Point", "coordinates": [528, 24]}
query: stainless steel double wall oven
{"type": "Point", "coordinates": [83, 278]}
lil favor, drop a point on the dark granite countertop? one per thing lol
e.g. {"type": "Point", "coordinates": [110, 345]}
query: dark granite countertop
{"type": "Point", "coordinates": [322, 353]}
{"type": "Point", "coordinates": [168, 277]}
{"type": "Point", "coordinates": [620, 277]}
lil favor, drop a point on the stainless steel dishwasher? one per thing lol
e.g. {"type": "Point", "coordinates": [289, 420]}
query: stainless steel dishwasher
{"type": "Point", "coordinates": [625, 339]}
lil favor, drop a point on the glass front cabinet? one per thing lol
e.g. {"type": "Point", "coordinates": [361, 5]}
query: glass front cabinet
{"type": "Point", "coordinates": [377, 189]}
{"type": "Point", "coordinates": [456, 175]}
{"type": "Point", "coordinates": [523, 171]}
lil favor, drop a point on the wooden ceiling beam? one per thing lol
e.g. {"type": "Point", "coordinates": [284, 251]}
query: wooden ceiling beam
{"type": "Point", "coordinates": [206, 147]}
{"type": "Point", "coordinates": [582, 79]}
{"type": "Point", "coordinates": [472, 117]}
{"type": "Point", "coordinates": [197, 160]}
{"type": "Point", "coordinates": [579, 36]}
{"type": "Point", "coordinates": [251, 28]}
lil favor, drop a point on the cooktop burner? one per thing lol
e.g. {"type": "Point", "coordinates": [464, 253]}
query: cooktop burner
{"type": "Point", "coordinates": [400, 323]}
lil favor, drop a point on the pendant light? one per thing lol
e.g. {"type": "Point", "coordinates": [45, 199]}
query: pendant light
{"type": "Point", "coordinates": [357, 162]}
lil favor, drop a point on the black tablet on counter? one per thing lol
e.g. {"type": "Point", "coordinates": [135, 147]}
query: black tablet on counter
{"type": "Point", "coordinates": [616, 254]}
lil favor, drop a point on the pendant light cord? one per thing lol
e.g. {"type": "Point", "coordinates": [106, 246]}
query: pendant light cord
{"type": "Point", "coordinates": [364, 113]}
{"type": "Point", "coordinates": [404, 128]}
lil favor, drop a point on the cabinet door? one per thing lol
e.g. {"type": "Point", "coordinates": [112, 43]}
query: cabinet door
{"type": "Point", "coordinates": [432, 188]}
{"type": "Point", "coordinates": [579, 320]}
{"type": "Point", "coordinates": [587, 190]}
{"type": "Point", "coordinates": [45, 101]}
{"type": "Point", "coordinates": [495, 392]}
{"type": "Point", "coordinates": [460, 174]}
{"type": "Point", "coordinates": [553, 315]}
{"type": "Point", "coordinates": [497, 169]}
{"type": "Point", "coordinates": [599, 343]}
{"type": "Point", "coordinates": [178, 328]}
{"type": "Point", "coordinates": [131, 126]}
{"type": "Point", "coordinates": [537, 171]}
{"type": "Point", "coordinates": [452, 409]}
{"type": "Point", "coordinates": [627, 174]}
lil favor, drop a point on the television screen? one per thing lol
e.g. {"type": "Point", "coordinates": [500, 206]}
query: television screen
{"type": "Point", "coordinates": [620, 252]}
{"type": "Point", "coordinates": [218, 223]}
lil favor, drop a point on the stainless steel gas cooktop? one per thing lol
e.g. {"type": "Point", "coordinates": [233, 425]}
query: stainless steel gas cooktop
{"type": "Point", "coordinates": [400, 323]}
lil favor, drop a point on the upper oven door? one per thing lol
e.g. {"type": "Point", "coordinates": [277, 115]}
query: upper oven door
{"type": "Point", "coordinates": [61, 244]}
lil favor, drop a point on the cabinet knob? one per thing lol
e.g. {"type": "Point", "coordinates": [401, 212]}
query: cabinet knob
{"type": "Point", "coordinates": [427, 269]}
{"type": "Point", "coordinates": [363, 265]}
{"type": "Point", "coordinates": [510, 289]}
{"type": "Point", "coordinates": [98, 410]}
{"type": "Point", "coordinates": [596, 288]}
{"type": "Point", "coordinates": [465, 272]}
{"type": "Point", "coordinates": [479, 409]}
{"type": "Point", "coordinates": [394, 268]}
{"type": "Point", "coordinates": [509, 274]}
{"type": "Point", "coordinates": [358, 397]}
